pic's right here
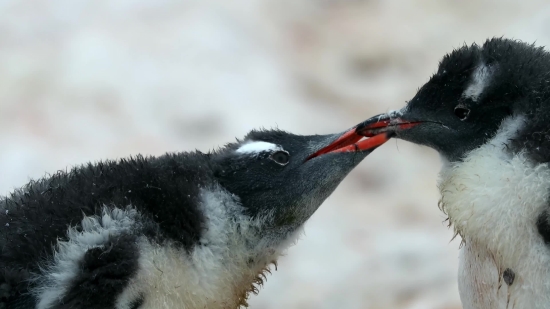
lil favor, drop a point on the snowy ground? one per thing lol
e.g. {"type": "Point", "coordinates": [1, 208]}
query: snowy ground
{"type": "Point", "coordinates": [88, 80]}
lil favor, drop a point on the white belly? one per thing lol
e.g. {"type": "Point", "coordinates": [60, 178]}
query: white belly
{"type": "Point", "coordinates": [482, 284]}
{"type": "Point", "coordinates": [493, 199]}
{"type": "Point", "coordinates": [480, 281]}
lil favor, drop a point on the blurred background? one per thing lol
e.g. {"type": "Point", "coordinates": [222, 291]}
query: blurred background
{"type": "Point", "coordinates": [89, 80]}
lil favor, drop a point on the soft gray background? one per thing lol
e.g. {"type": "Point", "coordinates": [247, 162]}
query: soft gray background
{"type": "Point", "coordinates": [89, 80]}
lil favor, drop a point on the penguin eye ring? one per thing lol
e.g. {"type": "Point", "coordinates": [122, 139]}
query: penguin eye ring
{"type": "Point", "coordinates": [461, 112]}
{"type": "Point", "coordinates": [280, 157]}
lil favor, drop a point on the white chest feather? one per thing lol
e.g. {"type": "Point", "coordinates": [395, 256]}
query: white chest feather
{"type": "Point", "coordinates": [217, 274]}
{"type": "Point", "coordinates": [493, 200]}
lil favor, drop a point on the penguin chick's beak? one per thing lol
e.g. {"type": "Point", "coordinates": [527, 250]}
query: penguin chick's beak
{"type": "Point", "coordinates": [351, 142]}
{"type": "Point", "coordinates": [384, 123]}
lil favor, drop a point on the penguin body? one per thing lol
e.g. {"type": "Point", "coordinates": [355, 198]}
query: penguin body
{"type": "Point", "coordinates": [487, 112]}
{"type": "Point", "coordinates": [184, 230]}
{"type": "Point", "coordinates": [495, 199]}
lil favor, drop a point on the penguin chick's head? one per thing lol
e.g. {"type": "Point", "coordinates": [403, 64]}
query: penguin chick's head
{"type": "Point", "coordinates": [283, 178]}
{"type": "Point", "coordinates": [475, 88]}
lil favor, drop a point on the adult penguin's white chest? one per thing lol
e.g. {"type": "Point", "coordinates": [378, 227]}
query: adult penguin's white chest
{"type": "Point", "coordinates": [493, 200]}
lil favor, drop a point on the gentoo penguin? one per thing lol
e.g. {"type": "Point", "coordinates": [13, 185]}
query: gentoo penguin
{"type": "Point", "coordinates": [183, 230]}
{"type": "Point", "coordinates": [487, 112]}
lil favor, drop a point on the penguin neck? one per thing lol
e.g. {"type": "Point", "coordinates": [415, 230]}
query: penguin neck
{"type": "Point", "coordinates": [493, 195]}
{"type": "Point", "coordinates": [233, 240]}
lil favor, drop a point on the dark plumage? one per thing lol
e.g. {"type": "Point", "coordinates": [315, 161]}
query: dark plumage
{"type": "Point", "coordinates": [36, 216]}
{"type": "Point", "coordinates": [183, 229]}
{"type": "Point", "coordinates": [487, 112]}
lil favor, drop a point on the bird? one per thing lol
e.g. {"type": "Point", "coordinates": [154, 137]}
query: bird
{"type": "Point", "coordinates": [486, 111]}
{"type": "Point", "coordinates": [181, 230]}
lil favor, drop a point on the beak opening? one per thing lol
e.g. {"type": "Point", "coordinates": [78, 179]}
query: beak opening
{"type": "Point", "coordinates": [351, 141]}
{"type": "Point", "coordinates": [384, 123]}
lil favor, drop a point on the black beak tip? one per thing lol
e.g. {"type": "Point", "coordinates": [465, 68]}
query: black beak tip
{"type": "Point", "coordinates": [380, 120]}
{"type": "Point", "coordinates": [384, 123]}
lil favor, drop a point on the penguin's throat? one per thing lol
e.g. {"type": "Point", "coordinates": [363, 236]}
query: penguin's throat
{"type": "Point", "coordinates": [493, 193]}
{"type": "Point", "coordinates": [494, 197]}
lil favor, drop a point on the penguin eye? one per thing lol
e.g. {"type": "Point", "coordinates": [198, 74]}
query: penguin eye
{"type": "Point", "coordinates": [280, 157]}
{"type": "Point", "coordinates": [462, 112]}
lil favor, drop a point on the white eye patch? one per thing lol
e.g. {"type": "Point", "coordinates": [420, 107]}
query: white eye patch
{"type": "Point", "coordinates": [257, 147]}
{"type": "Point", "coordinates": [480, 80]}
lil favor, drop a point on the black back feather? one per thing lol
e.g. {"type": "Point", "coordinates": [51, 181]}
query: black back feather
{"type": "Point", "coordinates": [165, 190]}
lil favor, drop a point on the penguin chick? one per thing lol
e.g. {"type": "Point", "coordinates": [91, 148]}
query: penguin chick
{"type": "Point", "coordinates": [183, 230]}
{"type": "Point", "coordinates": [487, 112]}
